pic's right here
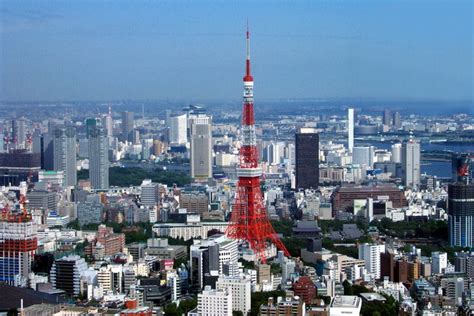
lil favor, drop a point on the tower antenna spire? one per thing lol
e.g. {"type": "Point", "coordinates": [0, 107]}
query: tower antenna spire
{"type": "Point", "coordinates": [247, 61]}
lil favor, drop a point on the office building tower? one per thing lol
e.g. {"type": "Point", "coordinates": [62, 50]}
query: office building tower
{"type": "Point", "coordinates": [90, 212]}
{"type": "Point", "coordinates": [66, 274]}
{"type": "Point", "coordinates": [44, 200]}
{"type": "Point", "coordinates": [439, 262]}
{"type": "Point", "coordinates": [397, 121]}
{"type": "Point", "coordinates": [370, 253]}
{"type": "Point", "coordinates": [98, 158]}
{"type": "Point", "coordinates": [361, 155]}
{"type": "Point", "coordinates": [147, 148]}
{"type": "Point", "coordinates": [214, 302]}
{"type": "Point", "coordinates": [64, 146]}
{"type": "Point", "coordinates": [274, 153]}
{"type": "Point", "coordinates": [18, 244]}
{"type": "Point", "coordinates": [387, 117]}
{"type": "Point", "coordinates": [461, 214]}
{"type": "Point", "coordinates": [149, 193]}
{"type": "Point", "coordinates": [92, 123]}
{"type": "Point", "coordinates": [350, 129]}
{"type": "Point", "coordinates": [19, 133]}
{"type": "Point", "coordinates": [411, 163]}
{"type": "Point", "coordinates": [127, 126]}
{"type": "Point", "coordinates": [47, 151]}
{"type": "Point", "coordinates": [396, 151]}
{"type": "Point", "coordinates": [240, 289]}
{"type": "Point", "coordinates": [178, 129]}
{"type": "Point", "coordinates": [307, 159]}
{"type": "Point", "coordinates": [201, 147]}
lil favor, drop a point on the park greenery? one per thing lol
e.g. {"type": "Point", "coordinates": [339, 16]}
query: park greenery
{"type": "Point", "coordinates": [133, 176]}
{"type": "Point", "coordinates": [182, 309]}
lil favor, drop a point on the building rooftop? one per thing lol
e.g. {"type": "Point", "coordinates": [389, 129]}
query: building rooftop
{"type": "Point", "coordinates": [346, 301]}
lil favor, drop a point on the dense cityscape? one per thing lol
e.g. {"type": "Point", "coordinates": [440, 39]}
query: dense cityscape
{"type": "Point", "coordinates": [294, 207]}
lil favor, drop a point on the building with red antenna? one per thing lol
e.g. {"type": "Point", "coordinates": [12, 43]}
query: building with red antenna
{"type": "Point", "coordinates": [249, 220]}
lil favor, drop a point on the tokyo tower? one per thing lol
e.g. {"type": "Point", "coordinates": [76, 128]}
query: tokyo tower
{"type": "Point", "coordinates": [249, 220]}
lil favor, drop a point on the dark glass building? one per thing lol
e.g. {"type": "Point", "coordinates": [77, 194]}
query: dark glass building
{"type": "Point", "coordinates": [307, 159]}
{"type": "Point", "coordinates": [461, 214]}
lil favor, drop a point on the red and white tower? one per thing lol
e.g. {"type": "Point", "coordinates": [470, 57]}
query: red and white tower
{"type": "Point", "coordinates": [249, 220]}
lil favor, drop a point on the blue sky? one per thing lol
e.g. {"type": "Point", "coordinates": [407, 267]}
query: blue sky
{"type": "Point", "coordinates": [194, 50]}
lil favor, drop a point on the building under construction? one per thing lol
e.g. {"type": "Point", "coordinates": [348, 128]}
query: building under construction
{"type": "Point", "coordinates": [18, 243]}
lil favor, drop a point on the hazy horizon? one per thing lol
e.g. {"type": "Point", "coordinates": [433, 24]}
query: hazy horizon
{"type": "Point", "coordinates": [185, 50]}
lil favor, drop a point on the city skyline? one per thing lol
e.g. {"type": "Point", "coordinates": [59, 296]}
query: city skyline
{"type": "Point", "coordinates": [166, 50]}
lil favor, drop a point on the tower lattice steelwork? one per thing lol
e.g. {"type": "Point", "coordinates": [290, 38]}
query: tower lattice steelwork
{"type": "Point", "coordinates": [249, 220]}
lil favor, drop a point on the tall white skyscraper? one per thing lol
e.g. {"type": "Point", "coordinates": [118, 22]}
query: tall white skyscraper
{"type": "Point", "coordinates": [64, 157]}
{"type": "Point", "coordinates": [178, 129]}
{"type": "Point", "coordinates": [98, 158]}
{"type": "Point", "coordinates": [350, 129]}
{"type": "Point", "coordinates": [201, 146]}
{"type": "Point", "coordinates": [370, 253]}
{"type": "Point", "coordinates": [411, 163]}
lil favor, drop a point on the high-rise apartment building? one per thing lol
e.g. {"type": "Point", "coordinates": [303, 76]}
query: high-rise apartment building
{"type": "Point", "coordinates": [411, 163]}
{"type": "Point", "coordinates": [350, 129]}
{"type": "Point", "coordinates": [201, 146]}
{"type": "Point", "coordinates": [307, 159]}
{"type": "Point", "coordinates": [127, 126]}
{"type": "Point", "coordinates": [64, 146]}
{"type": "Point", "coordinates": [370, 253]}
{"type": "Point", "coordinates": [439, 262]}
{"type": "Point", "coordinates": [98, 158]}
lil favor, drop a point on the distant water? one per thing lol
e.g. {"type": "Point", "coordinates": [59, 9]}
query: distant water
{"type": "Point", "coordinates": [441, 169]}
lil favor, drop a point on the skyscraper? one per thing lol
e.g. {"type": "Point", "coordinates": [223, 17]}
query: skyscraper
{"type": "Point", "coordinates": [397, 122]}
{"type": "Point", "coordinates": [461, 214]}
{"type": "Point", "coordinates": [64, 146]}
{"type": "Point", "coordinates": [127, 126]}
{"type": "Point", "coordinates": [18, 133]}
{"type": "Point", "coordinates": [201, 146]}
{"type": "Point", "coordinates": [411, 163]}
{"type": "Point", "coordinates": [109, 123]}
{"type": "Point", "coordinates": [178, 129]}
{"type": "Point", "coordinates": [396, 150]}
{"type": "Point", "coordinates": [350, 129]}
{"type": "Point", "coordinates": [387, 117]}
{"type": "Point", "coordinates": [18, 244]}
{"type": "Point", "coordinates": [66, 274]}
{"type": "Point", "coordinates": [307, 159]}
{"type": "Point", "coordinates": [98, 158]}
{"type": "Point", "coordinates": [370, 253]}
